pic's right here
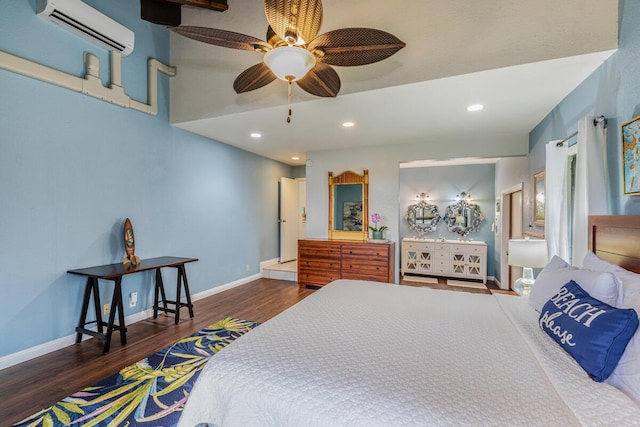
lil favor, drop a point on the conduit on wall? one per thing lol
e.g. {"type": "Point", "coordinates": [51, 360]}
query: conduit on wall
{"type": "Point", "coordinates": [91, 84]}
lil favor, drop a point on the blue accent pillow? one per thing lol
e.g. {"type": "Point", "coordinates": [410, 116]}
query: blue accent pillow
{"type": "Point", "coordinates": [595, 334]}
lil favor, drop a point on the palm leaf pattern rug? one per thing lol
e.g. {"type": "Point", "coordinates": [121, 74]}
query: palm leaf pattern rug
{"type": "Point", "coordinates": [151, 392]}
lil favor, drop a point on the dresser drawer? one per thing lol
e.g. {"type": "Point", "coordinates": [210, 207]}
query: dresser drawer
{"type": "Point", "coordinates": [418, 246]}
{"type": "Point", "coordinates": [319, 278]}
{"type": "Point", "coordinates": [440, 255]}
{"type": "Point", "coordinates": [365, 266]}
{"type": "Point", "coordinates": [372, 277]}
{"type": "Point", "coordinates": [442, 265]}
{"type": "Point", "coordinates": [468, 249]}
{"type": "Point", "coordinates": [319, 252]}
{"type": "Point", "coordinates": [312, 263]}
{"type": "Point", "coordinates": [441, 269]}
{"type": "Point", "coordinates": [366, 251]}
{"type": "Point", "coordinates": [442, 247]}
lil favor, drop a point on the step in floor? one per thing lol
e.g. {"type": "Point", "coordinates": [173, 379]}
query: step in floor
{"type": "Point", "coordinates": [283, 271]}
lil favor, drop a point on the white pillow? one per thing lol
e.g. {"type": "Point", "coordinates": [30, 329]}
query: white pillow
{"type": "Point", "coordinates": [626, 375]}
{"type": "Point", "coordinates": [603, 286]}
{"type": "Point", "coordinates": [630, 280]}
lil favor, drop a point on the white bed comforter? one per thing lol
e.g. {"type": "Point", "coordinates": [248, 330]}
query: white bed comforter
{"type": "Point", "coordinates": [368, 354]}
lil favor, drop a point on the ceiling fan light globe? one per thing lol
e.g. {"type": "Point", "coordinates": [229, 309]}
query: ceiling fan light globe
{"type": "Point", "coordinates": [289, 63]}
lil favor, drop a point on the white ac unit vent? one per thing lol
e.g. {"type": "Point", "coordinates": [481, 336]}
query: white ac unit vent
{"type": "Point", "coordinates": [83, 20]}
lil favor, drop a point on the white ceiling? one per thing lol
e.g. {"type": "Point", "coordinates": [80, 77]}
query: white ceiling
{"type": "Point", "coordinates": [519, 58]}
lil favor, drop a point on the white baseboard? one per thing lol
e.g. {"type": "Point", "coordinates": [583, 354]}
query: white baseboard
{"type": "Point", "coordinates": [62, 342]}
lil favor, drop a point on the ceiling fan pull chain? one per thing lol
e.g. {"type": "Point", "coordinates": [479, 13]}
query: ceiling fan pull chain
{"type": "Point", "coordinates": [289, 101]}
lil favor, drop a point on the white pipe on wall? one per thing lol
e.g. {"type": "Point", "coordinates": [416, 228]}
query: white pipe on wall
{"type": "Point", "coordinates": [91, 84]}
{"type": "Point", "coordinates": [36, 71]}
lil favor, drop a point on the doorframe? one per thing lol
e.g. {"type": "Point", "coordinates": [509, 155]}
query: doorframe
{"type": "Point", "coordinates": [293, 223]}
{"type": "Point", "coordinates": [505, 230]}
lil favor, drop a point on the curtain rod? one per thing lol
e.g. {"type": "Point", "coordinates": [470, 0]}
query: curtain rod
{"type": "Point", "coordinates": [596, 121]}
{"type": "Point", "coordinates": [559, 143]}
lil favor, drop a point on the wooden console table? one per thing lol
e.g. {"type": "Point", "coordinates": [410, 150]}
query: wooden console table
{"type": "Point", "coordinates": [115, 272]}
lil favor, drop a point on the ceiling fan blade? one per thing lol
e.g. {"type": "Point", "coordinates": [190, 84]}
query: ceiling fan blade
{"type": "Point", "coordinates": [253, 78]}
{"type": "Point", "coordinates": [223, 38]}
{"type": "Point", "coordinates": [273, 39]}
{"type": "Point", "coordinates": [354, 46]}
{"type": "Point", "coordinates": [295, 21]}
{"type": "Point", "coordinates": [321, 80]}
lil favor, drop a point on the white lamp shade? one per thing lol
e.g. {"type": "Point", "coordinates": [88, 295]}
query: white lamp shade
{"type": "Point", "coordinates": [289, 63]}
{"type": "Point", "coordinates": [528, 253]}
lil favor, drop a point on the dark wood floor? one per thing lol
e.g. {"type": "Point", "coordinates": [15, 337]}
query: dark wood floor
{"type": "Point", "coordinates": [38, 383]}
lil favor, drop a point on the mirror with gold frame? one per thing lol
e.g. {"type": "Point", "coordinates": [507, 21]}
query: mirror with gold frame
{"type": "Point", "coordinates": [349, 206]}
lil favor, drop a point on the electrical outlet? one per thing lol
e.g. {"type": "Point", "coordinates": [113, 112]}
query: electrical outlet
{"type": "Point", "coordinates": [106, 309]}
{"type": "Point", "coordinates": [133, 299]}
{"type": "Point", "coordinates": [248, 267]}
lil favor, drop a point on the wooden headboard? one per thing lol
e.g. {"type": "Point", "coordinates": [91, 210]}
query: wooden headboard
{"type": "Point", "coordinates": [616, 238]}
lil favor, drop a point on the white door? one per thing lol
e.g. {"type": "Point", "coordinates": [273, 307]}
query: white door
{"type": "Point", "coordinates": [289, 193]}
{"type": "Point", "coordinates": [510, 228]}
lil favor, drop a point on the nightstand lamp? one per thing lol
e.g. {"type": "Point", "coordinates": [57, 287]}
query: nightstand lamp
{"type": "Point", "coordinates": [529, 254]}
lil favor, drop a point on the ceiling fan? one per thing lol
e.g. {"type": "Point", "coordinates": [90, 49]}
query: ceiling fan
{"type": "Point", "coordinates": [294, 52]}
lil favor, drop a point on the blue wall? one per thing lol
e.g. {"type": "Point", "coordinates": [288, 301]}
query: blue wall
{"type": "Point", "coordinates": [613, 90]}
{"type": "Point", "coordinates": [442, 184]}
{"type": "Point", "coordinates": [72, 168]}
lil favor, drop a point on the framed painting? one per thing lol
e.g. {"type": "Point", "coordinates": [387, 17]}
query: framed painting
{"type": "Point", "coordinates": [631, 157]}
{"type": "Point", "coordinates": [352, 216]}
{"type": "Point", "coordinates": [538, 199]}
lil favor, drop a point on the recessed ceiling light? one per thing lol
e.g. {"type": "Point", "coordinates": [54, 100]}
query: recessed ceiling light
{"type": "Point", "coordinates": [256, 135]}
{"type": "Point", "coordinates": [475, 107]}
{"type": "Point", "coordinates": [348, 124]}
{"type": "Point", "coordinates": [295, 158]}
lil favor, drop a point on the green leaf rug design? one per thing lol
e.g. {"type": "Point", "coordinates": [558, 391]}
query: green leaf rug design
{"type": "Point", "coordinates": [150, 392]}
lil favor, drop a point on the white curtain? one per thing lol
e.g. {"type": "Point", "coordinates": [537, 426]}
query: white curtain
{"type": "Point", "coordinates": [591, 184]}
{"type": "Point", "coordinates": [556, 208]}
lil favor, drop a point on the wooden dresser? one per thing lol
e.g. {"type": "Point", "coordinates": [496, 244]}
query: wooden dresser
{"type": "Point", "coordinates": [321, 261]}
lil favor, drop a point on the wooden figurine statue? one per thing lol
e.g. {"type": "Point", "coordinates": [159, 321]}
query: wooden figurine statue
{"type": "Point", "coordinates": [129, 245]}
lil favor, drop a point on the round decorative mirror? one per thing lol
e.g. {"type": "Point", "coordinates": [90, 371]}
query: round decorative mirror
{"type": "Point", "coordinates": [463, 217]}
{"type": "Point", "coordinates": [422, 217]}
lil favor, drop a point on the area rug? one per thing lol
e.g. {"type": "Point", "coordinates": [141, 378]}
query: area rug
{"type": "Point", "coordinates": [151, 392]}
{"type": "Point", "coordinates": [466, 284]}
{"type": "Point", "coordinates": [420, 279]}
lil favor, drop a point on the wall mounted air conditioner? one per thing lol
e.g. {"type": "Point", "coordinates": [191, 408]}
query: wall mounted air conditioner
{"type": "Point", "coordinates": [83, 20]}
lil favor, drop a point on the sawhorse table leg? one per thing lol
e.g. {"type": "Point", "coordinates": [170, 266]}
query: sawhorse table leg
{"type": "Point", "coordinates": [159, 292]}
{"type": "Point", "coordinates": [90, 288]}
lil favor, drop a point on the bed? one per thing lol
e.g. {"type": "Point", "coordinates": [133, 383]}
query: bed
{"type": "Point", "coordinates": [359, 353]}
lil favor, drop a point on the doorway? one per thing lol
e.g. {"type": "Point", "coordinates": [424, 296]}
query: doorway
{"type": "Point", "coordinates": [292, 217]}
{"type": "Point", "coordinates": [511, 226]}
